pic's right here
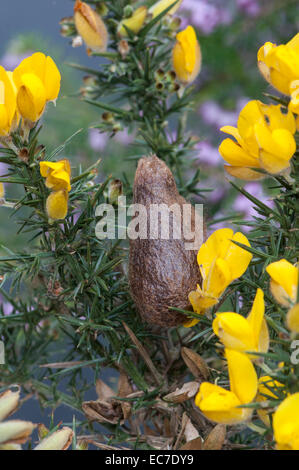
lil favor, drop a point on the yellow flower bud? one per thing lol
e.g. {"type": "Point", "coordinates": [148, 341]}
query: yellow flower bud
{"type": "Point", "coordinates": [9, 401]}
{"type": "Point", "coordinates": [186, 56]}
{"type": "Point", "coordinates": [91, 27]}
{"type": "Point", "coordinates": [161, 5]}
{"type": "Point", "coordinates": [15, 431]}
{"type": "Point", "coordinates": [37, 80]}
{"type": "Point", "coordinates": [134, 23]}
{"type": "Point", "coordinates": [57, 174]}
{"type": "Point", "coordinates": [57, 205]}
{"type": "Point", "coordinates": [284, 281]}
{"type": "Point", "coordinates": [58, 440]}
{"type": "Point", "coordinates": [115, 190]}
{"type": "Point", "coordinates": [8, 105]}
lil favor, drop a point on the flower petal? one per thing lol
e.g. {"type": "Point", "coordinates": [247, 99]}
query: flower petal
{"type": "Point", "coordinates": [215, 246]}
{"type": "Point", "coordinates": [286, 423]}
{"type": "Point", "coordinates": [52, 80]}
{"type": "Point", "coordinates": [219, 278]}
{"type": "Point", "coordinates": [238, 258]}
{"type": "Point", "coordinates": [220, 405]}
{"type": "Point", "coordinates": [34, 64]}
{"type": "Point", "coordinates": [244, 173]}
{"type": "Point", "coordinates": [235, 155]}
{"type": "Point", "coordinates": [31, 98]}
{"type": "Point", "coordinates": [234, 331]}
{"type": "Point", "coordinates": [57, 205]}
{"type": "Point", "coordinates": [256, 316]}
{"type": "Point", "coordinates": [242, 376]}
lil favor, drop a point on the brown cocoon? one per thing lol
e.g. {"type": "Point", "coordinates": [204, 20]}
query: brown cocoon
{"type": "Point", "coordinates": [162, 272]}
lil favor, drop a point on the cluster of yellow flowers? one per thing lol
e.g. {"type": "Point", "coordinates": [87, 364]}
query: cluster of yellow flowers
{"type": "Point", "coordinates": [264, 137]}
{"type": "Point", "coordinates": [186, 52]}
{"type": "Point", "coordinates": [26, 91]}
{"type": "Point", "coordinates": [221, 261]}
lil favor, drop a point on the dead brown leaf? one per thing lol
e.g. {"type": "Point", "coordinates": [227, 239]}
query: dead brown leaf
{"type": "Point", "coordinates": [190, 431]}
{"type": "Point", "coordinates": [195, 444]}
{"type": "Point", "coordinates": [124, 389]}
{"type": "Point", "coordinates": [180, 395]}
{"type": "Point", "coordinates": [195, 363]}
{"type": "Point", "coordinates": [216, 438]}
{"type": "Point", "coordinates": [159, 443]}
{"type": "Point", "coordinates": [104, 392]}
{"type": "Point", "coordinates": [102, 411]}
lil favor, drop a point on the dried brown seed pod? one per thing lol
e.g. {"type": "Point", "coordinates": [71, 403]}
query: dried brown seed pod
{"type": "Point", "coordinates": [162, 271]}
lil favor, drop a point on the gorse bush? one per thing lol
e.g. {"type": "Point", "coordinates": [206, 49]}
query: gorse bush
{"type": "Point", "coordinates": [216, 365]}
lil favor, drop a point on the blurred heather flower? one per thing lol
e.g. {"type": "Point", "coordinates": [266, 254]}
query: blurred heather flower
{"type": "Point", "coordinates": [218, 194]}
{"type": "Point", "coordinates": [242, 204]}
{"type": "Point", "coordinates": [213, 114]}
{"type": "Point", "coordinates": [124, 138]}
{"type": "Point", "coordinates": [11, 60]}
{"type": "Point", "coordinates": [207, 16]}
{"type": "Point", "coordinates": [221, 224]}
{"type": "Point", "coordinates": [7, 308]}
{"type": "Point", "coordinates": [207, 153]}
{"type": "Point", "coordinates": [3, 168]}
{"type": "Point", "coordinates": [250, 7]}
{"type": "Point", "coordinates": [97, 140]}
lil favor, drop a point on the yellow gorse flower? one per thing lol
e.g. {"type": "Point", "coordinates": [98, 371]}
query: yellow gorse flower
{"type": "Point", "coordinates": [286, 423]}
{"type": "Point", "coordinates": [91, 27]}
{"type": "Point", "coordinates": [280, 67]}
{"type": "Point", "coordinates": [37, 80]}
{"type": "Point", "coordinates": [186, 56]}
{"type": "Point", "coordinates": [57, 174]}
{"type": "Point", "coordinates": [162, 5]}
{"type": "Point", "coordinates": [2, 191]}
{"type": "Point", "coordinates": [9, 117]}
{"type": "Point", "coordinates": [220, 262]}
{"type": "Point", "coordinates": [224, 406]}
{"type": "Point", "coordinates": [58, 179]}
{"type": "Point", "coordinates": [134, 23]}
{"type": "Point", "coordinates": [244, 334]}
{"type": "Point", "coordinates": [264, 139]}
{"type": "Point", "coordinates": [284, 282]}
